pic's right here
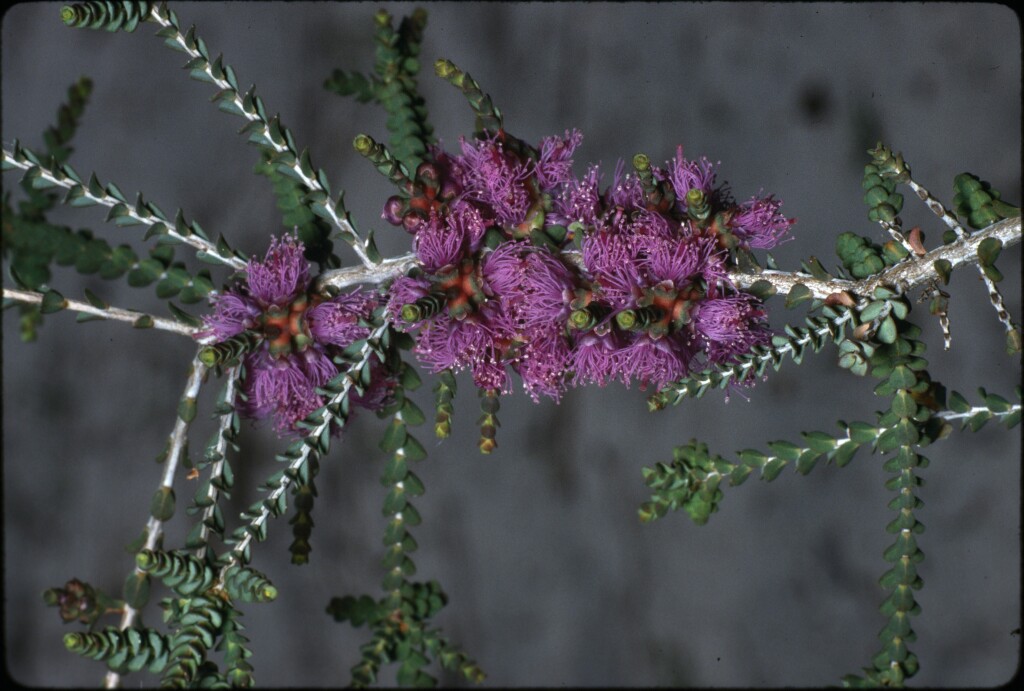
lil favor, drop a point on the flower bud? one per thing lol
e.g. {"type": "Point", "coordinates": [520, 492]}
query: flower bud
{"type": "Point", "coordinates": [393, 209]}
{"type": "Point", "coordinates": [411, 221]}
{"type": "Point", "coordinates": [427, 175]}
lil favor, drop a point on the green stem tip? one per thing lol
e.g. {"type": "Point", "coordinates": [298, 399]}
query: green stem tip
{"type": "Point", "coordinates": [445, 68]}
{"type": "Point", "coordinates": [363, 144]}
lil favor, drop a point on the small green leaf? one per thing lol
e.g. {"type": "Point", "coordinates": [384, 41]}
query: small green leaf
{"type": "Point", "coordinates": [413, 450]}
{"type": "Point", "coordinates": [902, 377]}
{"type": "Point", "coordinates": [844, 453]}
{"type": "Point", "coordinates": [993, 274]}
{"type": "Point", "coordinates": [94, 300]}
{"type": "Point", "coordinates": [872, 310]}
{"type": "Point", "coordinates": [903, 404]}
{"type": "Point", "coordinates": [183, 316]}
{"type": "Point", "coordinates": [136, 590]}
{"type": "Point", "coordinates": [772, 469]}
{"type": "Point", "coordinates": [887, 331]}
{"type": "Point", "coordinates": [52, 302]}
{"type": "Point", "coordinates": [797, 294]}
{"type": "Point", "coordinates": [957, 403]}
{"type": "Point", "coordinates": [807, 461]}
{"type": "Point", "coordinates": [785, 450]}
{"type": "Point", "coordinates": [988, 251]}
{"type": "Point", "coordinates": [187, 409]}
{"type": "Point", "coordinates": [162, 505]}
{"type": "Point", "coordinates": [412, 414]}
{"type": "Point", "coordinates": [943, 268]}
{"type": "Point", "coordinates": [819, 442]}
{"type": "Point", "coordinates": [394, 437]}
{"type": "Point", "coordinates": [762, 289]}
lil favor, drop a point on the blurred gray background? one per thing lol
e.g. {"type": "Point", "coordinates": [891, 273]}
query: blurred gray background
{"type": "Point", "coordinates": [552, 579]}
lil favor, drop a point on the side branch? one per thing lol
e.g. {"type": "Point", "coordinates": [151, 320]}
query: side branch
{"type": "Point", "coordinates": [176, 442]}
{"type": "Point", "coordinates": [91, 193]}
{"type": "Point", "coordinates": [136, 319]}
{"type": "Point", "coordinates": [267, 134]}
{"type": "Point", "coordinates": [903, 276]}
{"type": "Point", "coordinates": [314, 443]}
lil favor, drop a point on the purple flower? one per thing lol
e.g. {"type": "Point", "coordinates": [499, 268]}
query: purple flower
{"type": "Point", "coordinates": [730, 325]}
{"type": "Point", "coordinates": [282, 387]}
{"type": "Point", "coordinates": [547, 290]}
{"type": "Point", "coordinates": [477, 343]}
{"type": "Point", "coordinates": [543, 363]}
{"type": "Point", "coordinates": [686, 175]}
{"type": "Point", "coordinates": [611, 258]}
{"type": "Point", "coordinates": [534, 289]}
{"type": "Point", "coordinates": [282, 275]}
{"type": "Point", "coordinates": [495, 178]}
{"type": "Point", "coordinates": [579, 201]}
{"type": "Point", "coordinates": [653, 361]}
{"type": "Point", "coordinates": [232, 314]}
{"type": "Point", "coordinates": [626, 190]}
{"type": "Point", "coordinates": [336, 321]}
{"type": "Point", "coordinates": [758, 223]}
{"type": "Point", "coordinates": [651, 300]}
{"type": "Point", "coordinates": [595, 358]}
{"type": "Point", "coordinates": [683, 259]}
{"type": "Point", "coordinates": [555, 165]}
{"type": "Point", "coordinates": [406, 290]}
{"type": "Point", "coordinates": [300, 332]}
{"type": "Point", "coordinates": [437, 244]}
{"type": "Point", "coordinates": [503, 268]}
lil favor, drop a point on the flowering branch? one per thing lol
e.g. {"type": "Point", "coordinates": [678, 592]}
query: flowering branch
{"type": "Point", "coordinates": [53, 301]}
{"type": "Point", "coordinates": [519, 266]}
{"type": "Point", "coordinates": [121, 212]}
{"type": "Point", "coordinates": [904, 276]}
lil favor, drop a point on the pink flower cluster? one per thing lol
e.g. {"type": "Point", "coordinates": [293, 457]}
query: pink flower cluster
{"type": "Point", "coordinates": [301, 333]}
{"type": "Point", "coordinates": [647, 300]}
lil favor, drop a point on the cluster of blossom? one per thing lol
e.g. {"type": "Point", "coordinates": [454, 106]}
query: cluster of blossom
{"type": "Point", "coordinates": [647, 298]}
{"type": "Point", "coordinates": [300, 333]}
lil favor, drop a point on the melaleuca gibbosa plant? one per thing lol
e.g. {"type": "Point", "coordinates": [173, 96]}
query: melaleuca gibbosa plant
{"type": "Point", "coordinates": [527, 269]}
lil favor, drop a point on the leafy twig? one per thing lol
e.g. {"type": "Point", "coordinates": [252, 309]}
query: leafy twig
{"type": "Point", "coordinates": [316, 441]}
{"type": "Point", "coordinates": [268, 134]}
{"type": "Point", "coordinates": [163, 502]}
{"type": "Point", "coordinates": [53, 301]}
{"type": "Point", "coordinates": [122, 212]}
